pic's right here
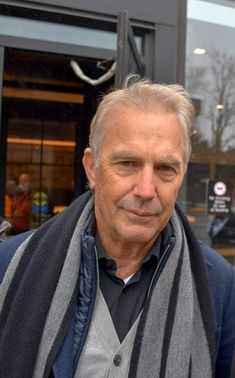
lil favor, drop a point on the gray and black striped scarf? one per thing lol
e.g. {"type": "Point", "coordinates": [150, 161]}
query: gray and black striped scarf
{"type": "Point", "coordinates": [175, 335]}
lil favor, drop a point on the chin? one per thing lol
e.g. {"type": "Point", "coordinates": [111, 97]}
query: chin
{"type": "Point", "coordinates": [138, 236]}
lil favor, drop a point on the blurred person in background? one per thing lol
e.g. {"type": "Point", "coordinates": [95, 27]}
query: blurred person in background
{"type": "Point", "coordinates": [9, 199]}
{"type": "Point", "coordinates": [22, 205]}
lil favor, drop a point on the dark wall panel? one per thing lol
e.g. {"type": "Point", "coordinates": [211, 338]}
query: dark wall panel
{"type": "Point", "coordinates": [160, 11]}
{"type": "Point", "coordinates": [165, 54]}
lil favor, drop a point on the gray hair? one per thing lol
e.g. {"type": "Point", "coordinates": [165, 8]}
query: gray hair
{"type": "Point", "coordinates": [145, 96]}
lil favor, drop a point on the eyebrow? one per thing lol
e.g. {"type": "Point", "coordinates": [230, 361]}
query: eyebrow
{"type": "Point", "coordinates": [173, 162]}
{"type": "Point", "coordinates": [124, 154]}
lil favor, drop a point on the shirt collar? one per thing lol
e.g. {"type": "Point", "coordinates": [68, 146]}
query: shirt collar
{"type": "Point", "coordinates": [154, 250]}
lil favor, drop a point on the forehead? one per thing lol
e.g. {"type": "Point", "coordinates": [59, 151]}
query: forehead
{"type": "Point", "coordinates": [124, 120]}
{"type": "Point", "coordinates": [146, 134]}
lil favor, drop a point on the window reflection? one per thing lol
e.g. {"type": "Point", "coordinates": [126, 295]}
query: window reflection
{"type": "Point", "coordinates": [210, 78]}
{"type": "Point", "coordinates": [41, 105]}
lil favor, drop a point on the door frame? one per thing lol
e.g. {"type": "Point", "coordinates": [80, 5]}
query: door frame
{"type": "Point", "coordinates": [126, 45]}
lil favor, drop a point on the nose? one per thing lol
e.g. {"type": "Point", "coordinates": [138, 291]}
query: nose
{"type": "Point", "coordinates": [145, 185]}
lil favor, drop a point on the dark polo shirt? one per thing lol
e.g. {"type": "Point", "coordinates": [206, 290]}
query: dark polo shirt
{"type": "Point", "coordinates": [125, 301]}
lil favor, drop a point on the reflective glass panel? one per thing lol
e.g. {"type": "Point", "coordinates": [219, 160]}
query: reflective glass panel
{"type": "Point", "coordinates": [46, 31]}
{"type": "Point", "coordinates": [210, 79]}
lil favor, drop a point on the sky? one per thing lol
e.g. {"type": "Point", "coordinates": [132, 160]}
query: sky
{"type": "Point", "coordinates": [211, 12]}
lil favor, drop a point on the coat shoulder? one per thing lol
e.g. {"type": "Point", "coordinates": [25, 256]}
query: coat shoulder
{"type": "Point", "coordinates": [221, 279]}
{"type": "Point", "coordinates": [8, 249]}
{"type": "Point", "coordinates": [218, 268]}
{"type": "Point", "coordinates": [222, 282]}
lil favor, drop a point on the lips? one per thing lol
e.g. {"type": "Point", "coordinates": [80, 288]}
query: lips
{"type": "Point", "coordinates": [141, 213]}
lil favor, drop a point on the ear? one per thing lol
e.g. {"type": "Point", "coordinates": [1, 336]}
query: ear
{"type": "Point", "coordinates": [89, 166]}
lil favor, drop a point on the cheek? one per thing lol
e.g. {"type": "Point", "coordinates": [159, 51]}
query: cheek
{"type": "Point", "coordinates": [168, 195]}
{"type": "Point", "coordinates": [109, 182]}
{"type": "Point", "coordinates": [104, 176]}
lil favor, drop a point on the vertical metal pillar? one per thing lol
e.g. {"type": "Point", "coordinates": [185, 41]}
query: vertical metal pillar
{"type": "Point", "coordinates": [3, 138]}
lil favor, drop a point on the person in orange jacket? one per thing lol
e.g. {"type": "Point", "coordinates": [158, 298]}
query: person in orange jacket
{"type": "Point", "coordinates": [22, 206]}
{"type": "Point", "coordinates": [9, 199]}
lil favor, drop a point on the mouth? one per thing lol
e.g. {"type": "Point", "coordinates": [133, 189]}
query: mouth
{"type": "Point", "coordinates": [140, 214]}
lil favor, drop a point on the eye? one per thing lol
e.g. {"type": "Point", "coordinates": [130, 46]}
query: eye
{"type": "Point", "coordinates": [166, 168]}
{"type": "Point", "coordinates": [166, 172]}
{"type": "Point", "coordinates": [126, 167]}
{"type": "Point", "coordinates": [128, 163]}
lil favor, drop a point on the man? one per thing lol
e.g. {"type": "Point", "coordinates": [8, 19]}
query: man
{"type": "Point", "coordinates": [118, 285]}
{"type": "Point", "coordinates": [9, 199]}
{"type": "Point", "coordinates": [22, 205]}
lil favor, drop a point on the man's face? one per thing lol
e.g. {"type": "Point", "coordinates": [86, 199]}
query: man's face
{"type": "Point", "coordinates": [138, 175]}
{"type": "Point", "coordinates": [24, 183]}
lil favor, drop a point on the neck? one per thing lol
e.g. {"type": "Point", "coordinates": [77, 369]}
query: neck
{"type": "Point", "coordinates": [127, 256]}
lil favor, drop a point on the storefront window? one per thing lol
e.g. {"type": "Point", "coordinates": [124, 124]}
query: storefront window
{"type": "Point", "coordinates": [42, 103]}
{"type": "Point", "coordinates": [210, 79]}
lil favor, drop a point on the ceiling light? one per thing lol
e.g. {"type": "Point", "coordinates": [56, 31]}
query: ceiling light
{"type": "Point", "coordinates": [219, 106]}
{"type": "Point", "coordinates": [199, 51]}
{"type": "Point", "coordinates": [44, 142]}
